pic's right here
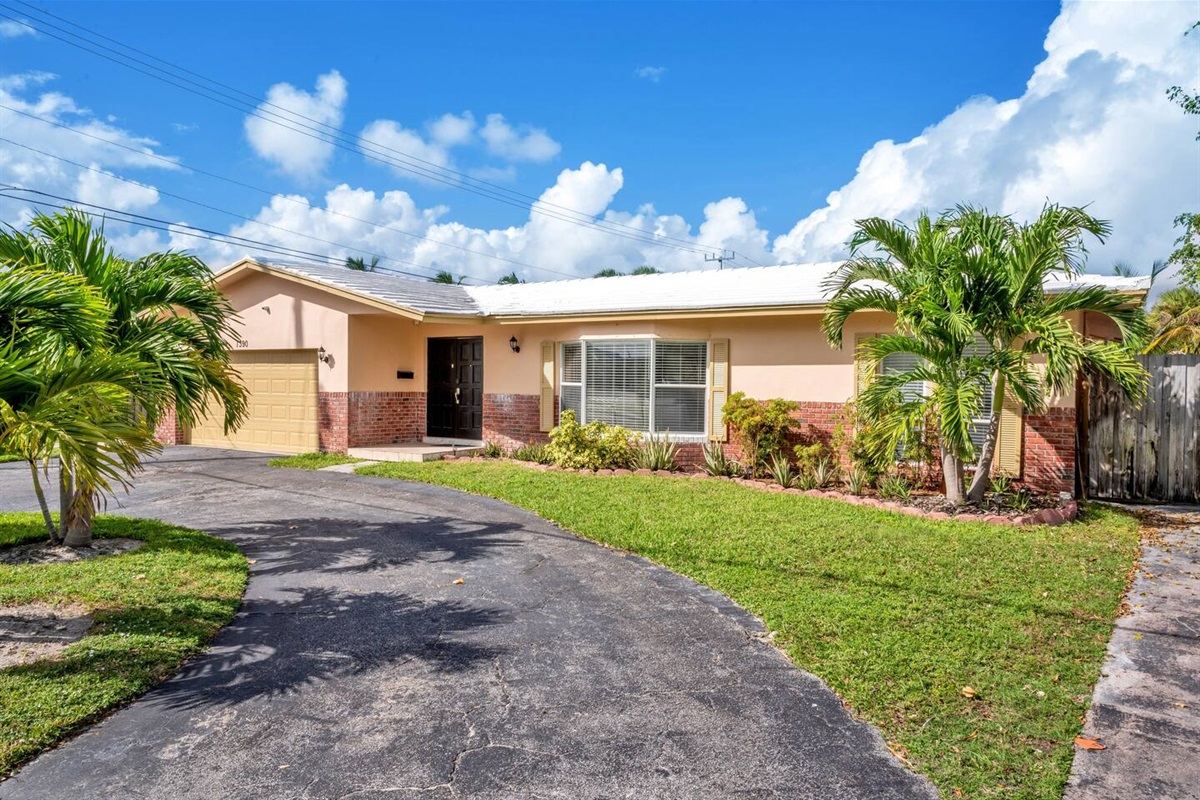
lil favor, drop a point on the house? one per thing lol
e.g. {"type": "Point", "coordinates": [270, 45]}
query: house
{"type": "Point", "coordinates": [336, 359]}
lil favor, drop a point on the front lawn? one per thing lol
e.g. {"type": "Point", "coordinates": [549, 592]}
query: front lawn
{"type": "Point", "coordinates": [313, 461]}
{"type": "Point", "coordinates": [974, 647]}
{"type": "Point", "coordinates": [153, 608]}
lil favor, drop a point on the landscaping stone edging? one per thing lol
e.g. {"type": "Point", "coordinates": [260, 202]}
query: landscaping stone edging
{"type": "Point", "coordinates": [1052, 517]}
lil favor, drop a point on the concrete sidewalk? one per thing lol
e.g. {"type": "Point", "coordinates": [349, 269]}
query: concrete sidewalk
{"type": "Point", "coordinates": [1146, 708]}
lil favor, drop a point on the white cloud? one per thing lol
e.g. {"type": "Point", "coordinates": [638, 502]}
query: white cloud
{"type": "Point", "coordinates": [652, 74]}
{"type": "Point", "coordinates": [99, 187]}
{"type": "Point", "coordinates": [1093, 127]}
{"type": "Point", "coordinates": [104, 148]}
{"type": "Point", "coordinates": [449, 130]}
{"type": "Point", "coordinates": [283, 135]}
{"type": "Point", "coordinates": [12, 28]}
{"type": "Point", "coordinates": [526, 144]}
{"type": "Point", "coordinates": [395, 144]}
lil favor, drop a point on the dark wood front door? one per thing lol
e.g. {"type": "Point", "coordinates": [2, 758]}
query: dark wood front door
{"type": "Point", "coordinates": [456, 388]}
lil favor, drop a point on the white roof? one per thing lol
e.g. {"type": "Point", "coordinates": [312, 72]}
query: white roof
{"type": "Point", "coordinates": [747, 287]}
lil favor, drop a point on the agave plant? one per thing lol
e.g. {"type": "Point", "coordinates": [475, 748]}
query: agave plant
{"type": "Point", "coordinates": [781, 470]}
{"type": "Point", "coordinates": [657, 453]}
{"type": "Point", "coordinates": [716, 463]}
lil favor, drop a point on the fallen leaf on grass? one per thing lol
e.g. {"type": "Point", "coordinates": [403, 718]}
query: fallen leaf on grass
{"type": "Point", "coordinates": [1088, 744]}
{"type": "Point", "coordinates": [967, 691]}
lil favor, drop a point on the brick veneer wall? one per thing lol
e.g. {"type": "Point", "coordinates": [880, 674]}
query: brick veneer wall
{"type": "Point", "coordinates": [385, 418]}
{"type": "Point", "coordinates": [1048, 455]}
{"type": "Point", "coordinates": [511, 420]}
{"type": "Point", "coordinates": [332, 415]}
{"type": "Point", "coordinates": [168, 431]}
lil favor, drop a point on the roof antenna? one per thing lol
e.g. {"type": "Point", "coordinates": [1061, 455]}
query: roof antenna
{"type": "Point", "coordinates": [721, 259]}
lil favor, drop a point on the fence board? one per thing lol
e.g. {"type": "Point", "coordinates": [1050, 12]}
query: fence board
{"type": "Point", "coordinates": [1149, 452]}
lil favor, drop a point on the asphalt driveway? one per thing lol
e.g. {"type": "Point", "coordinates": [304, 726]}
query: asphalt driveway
{"type": "Point", "coordinates": [358, 666]}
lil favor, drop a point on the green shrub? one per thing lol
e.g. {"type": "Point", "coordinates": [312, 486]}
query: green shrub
{"type": "Point", "coordinates": [807, 456]}
{"type": "Point", "coordinates": [824, 472]}
{"type": "Point", "coordinates": [1021, 500]}
{"type": "Point", "coordinates": [781, 470]}
{"type": "Point", "coordinates": [493, 450]}
{"type": "Point", "coordinates": [857, 480]}
{"type": "Point", "coordinates": [806, 481]}
{"type": "Point", "coordinates": [895, 487]}
{"type": "Point", "coordinates": [760, 428]}
{"type": "Point", "coordinates": [592, 446]}
{"type": "Point", "coordinates": [1001, 483]}
{"type": "Point", "coordinates": [656, 453]}
{"type": "Point", "coordinates": [716, 463]}
{"type": "Point", "coordinates": [532, 452]}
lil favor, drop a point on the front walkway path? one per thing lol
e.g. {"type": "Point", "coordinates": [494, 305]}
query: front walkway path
{"type": "Point", "coordinates": [1146, 708]}
{"type": "Point", "coordinates": [360, 666]}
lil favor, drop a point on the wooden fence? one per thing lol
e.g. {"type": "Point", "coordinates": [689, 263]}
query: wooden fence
{"type": "Point", "coordinates": [1149, 453]}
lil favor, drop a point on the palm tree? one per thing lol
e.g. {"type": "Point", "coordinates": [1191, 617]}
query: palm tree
{"type": "Point", "coordinates": [510, 279]}
{"type": "Point", "coordinates": [166, 323]}
{"type": "Point", "coordinates": [1175, 322]}
{"type": "Point", "coordinates": [357, 264]}
{"type": "Point", "coordinates": [968, 294]}
{"type": "Point", "coordinates": [646, 269]}
{"type": "Point", "coordinates": [608, 273]}
{"type": "Point", "coordinates": [445, 277]}
{"type": "Point", "coordinates": [1123, 269]}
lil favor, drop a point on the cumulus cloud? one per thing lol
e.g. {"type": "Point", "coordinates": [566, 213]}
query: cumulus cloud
{"type": "Point", "coordinates": [652, 74]}
{"type": "Point", "coordinates": [12, 28]}
{"type": "Point", "coordinates": [282, 135]}
{"type": "Point", "coordinates": [107, 148]}
{"type": "Point", "coordinates": [1093, 127]}
{"type": "Point", "coordinates": [526, 144]}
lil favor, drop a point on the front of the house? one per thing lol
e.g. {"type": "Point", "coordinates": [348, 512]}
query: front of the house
{"type": "Point", "coordinates": [335, 360]}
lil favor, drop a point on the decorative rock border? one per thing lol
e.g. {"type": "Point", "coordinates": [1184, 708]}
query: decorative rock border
{"type": "Point", "coordinates": [1068, 512]}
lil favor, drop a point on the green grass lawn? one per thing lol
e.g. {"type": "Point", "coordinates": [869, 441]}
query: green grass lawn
{"type": "Point", "coordinates": [313, 461]}
{"type": "Point", "coordinates": [153, 608]}
{"type": "Point", "coordinates": [897, 614]}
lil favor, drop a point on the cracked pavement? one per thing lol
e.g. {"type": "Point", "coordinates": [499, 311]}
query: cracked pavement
{"type": "Point", "coordinates": [357, 667]}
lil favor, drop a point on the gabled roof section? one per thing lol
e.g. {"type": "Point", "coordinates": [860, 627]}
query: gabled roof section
{"type": "Point", "coordinates": [784, 288]}
{"type": "Point", "coordinates": [406, 294]}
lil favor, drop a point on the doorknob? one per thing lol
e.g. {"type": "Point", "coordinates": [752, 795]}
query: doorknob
{"type": "Point", "coordinates": [456, 391]}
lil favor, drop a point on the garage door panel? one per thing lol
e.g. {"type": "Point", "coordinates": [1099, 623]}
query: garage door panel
{"type": "Point", "coordinates": [281, 407]}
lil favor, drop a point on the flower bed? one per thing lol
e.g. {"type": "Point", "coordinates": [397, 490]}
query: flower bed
{"type": "Point", "coordinates": [928, 506]}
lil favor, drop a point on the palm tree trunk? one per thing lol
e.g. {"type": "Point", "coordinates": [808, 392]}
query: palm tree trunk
{"type": "Point", "coordinates": [952, 471]}
{"type": "Point", "coordinates": [983, 470]}
{"type": "Point", "coordinates": [76, 508]}
{"type": "Point", "coordinates": [41, 498]}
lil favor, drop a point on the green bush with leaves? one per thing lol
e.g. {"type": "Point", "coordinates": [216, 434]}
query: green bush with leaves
{"type": "Point", "coordinates": [895, 487]}
{"type": "Point", "coordinates": [760, 428]}
{"type": "Point", "coordinates": [533, 451]}
{"type": "Point", "coordinates": [493, 450]}
{"type": "Point", "coordinates": [591, 446]}
{"type": "Point", "coordinates": [856, 481]}
{"type": "Point", "coordinates": [657, 453]}
{"type": "Point", "coordinates": [717, 464]}
{"type": "Point", "coordinates": [781, 470]}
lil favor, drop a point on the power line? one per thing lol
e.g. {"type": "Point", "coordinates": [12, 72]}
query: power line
{"type": "Point", "coordinates": [338, 137]}
{"type": "Point", "coordinates": [273, 195]}
{"type": "Point", "coordinates": [234, 214]}
{"type": "Point", "coordinates": [154, 223]}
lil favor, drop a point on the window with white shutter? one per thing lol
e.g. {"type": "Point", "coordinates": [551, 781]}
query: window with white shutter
{"type": "Point", "coordinates": [640, 384]}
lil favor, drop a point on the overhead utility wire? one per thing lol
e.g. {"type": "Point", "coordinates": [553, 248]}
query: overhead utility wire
{"type": "Point", "coordinates": [234, 214]}
{"type": "Point", "coordinates": [154, 223]}
{"type": "Point", "coordinates": [337, 135]}
{"type": "Point", "coordinates": [285, 197]}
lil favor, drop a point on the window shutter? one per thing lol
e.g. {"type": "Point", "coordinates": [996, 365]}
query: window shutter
{"type": "Point", "coordinates": [718, 381]}
{"type": "Point", "coordinates": [1008, 441]}
{"type": "Point", "coordinates": [862, 373]}
{"type": "Point", "coordinates": [547, 398]}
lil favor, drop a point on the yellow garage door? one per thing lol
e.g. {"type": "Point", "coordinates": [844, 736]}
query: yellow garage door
{"type": "Point", "coordinates": [282, 407]}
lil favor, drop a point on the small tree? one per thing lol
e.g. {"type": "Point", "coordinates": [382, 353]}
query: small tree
{"type": "Point", "coordinates": [760, 428]}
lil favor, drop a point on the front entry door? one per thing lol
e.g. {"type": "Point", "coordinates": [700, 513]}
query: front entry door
{"type": "Point", "coordinates": [455, 393]}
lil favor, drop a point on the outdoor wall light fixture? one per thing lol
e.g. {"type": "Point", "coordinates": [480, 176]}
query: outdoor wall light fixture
{"type": "Point", "coordinates": [512, 344]}
{"type": "Point", "coordinates": [323, 357]}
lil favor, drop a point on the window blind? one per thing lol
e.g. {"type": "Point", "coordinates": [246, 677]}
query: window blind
{"type": "Point", "coordinates": [617, 383]}
{"type": "Point", "coordinates": [680, 384]}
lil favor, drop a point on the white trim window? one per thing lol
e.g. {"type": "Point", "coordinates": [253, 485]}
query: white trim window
{"type": "Point", "coordinates": [645, 385]}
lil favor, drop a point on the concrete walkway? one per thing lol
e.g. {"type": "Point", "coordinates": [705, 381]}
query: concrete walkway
{"type": "Point", "coordinates": [409, 641]}
{"type": "Point", "coordinates": [1146, 708]}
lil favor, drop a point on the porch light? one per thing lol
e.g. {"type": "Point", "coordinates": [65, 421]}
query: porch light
{"type": "Point", "coordinates": [512, 344]}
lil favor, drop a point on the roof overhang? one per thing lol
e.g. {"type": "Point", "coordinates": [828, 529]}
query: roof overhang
{"type": "Point", "coordinates": [248, 266]}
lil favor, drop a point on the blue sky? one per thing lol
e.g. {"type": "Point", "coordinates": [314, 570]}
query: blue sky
{"type": "Point", "coordinates": [741, 117]}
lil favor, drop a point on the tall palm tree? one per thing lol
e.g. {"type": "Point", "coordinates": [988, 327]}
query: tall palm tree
{"type": "Point", "coordinates": [510, 279]}
{"type": "Point", "coordinates": [358, 264]}
{"type": "Point", "coordinates": [445, 277]}
{"type": "Point", "coordinates": [1175, 322]}
{"type": "Point", "coordinates": [164, 313]}
{"type": "Point", "coordinates": [968, 294]}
